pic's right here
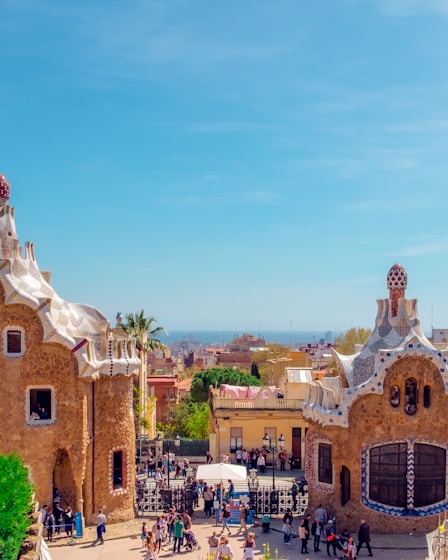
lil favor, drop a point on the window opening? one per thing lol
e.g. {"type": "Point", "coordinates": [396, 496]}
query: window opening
{"type": "Point", "coordinates": [236, 439]}
{"type": "Point", "coordinates": [40, 404]}
{"type": "Point", "coordinates": [426, 396]}
{"type": "Point", "coordinates": [325, 463]}
{"type": "Point", "coordinates": [118, 469]}
{"type": "Point", "coordinates": [411, 396]}
{"type": "Point", "coordinates": [395, 396]}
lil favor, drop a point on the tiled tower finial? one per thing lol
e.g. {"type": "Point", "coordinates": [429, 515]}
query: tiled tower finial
{"type": "Point", "coordinates": [397, 280]}
{"type": "Point", "coordinates": [4, 190]}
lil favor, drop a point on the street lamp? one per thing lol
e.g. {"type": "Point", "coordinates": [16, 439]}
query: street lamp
{"type": "Point", "coordinates": [270, 448]}
{"type": "Point", "coordinates": [142, 438]}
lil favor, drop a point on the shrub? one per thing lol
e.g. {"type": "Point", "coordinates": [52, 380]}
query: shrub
{"type": "Point", "coordinates": [15, 504]}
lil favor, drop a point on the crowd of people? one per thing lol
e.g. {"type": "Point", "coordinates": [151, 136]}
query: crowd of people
{"type": "Point", "coordinates": [258, 458]}
{"type": "Point", "coordinates": [173, 529]}
{"type": "Point", "coordinates": [57, 519]}
{"type": "Point", "coordinates": [159, 466]}
{"type": "Point", "coordinates": [173, 532]}
{"type": "Point", "coordinates": [322, 529]}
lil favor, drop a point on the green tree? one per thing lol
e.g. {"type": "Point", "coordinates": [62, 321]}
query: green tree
{"type": "Point", "coordinates": [188, 419]}
{"type": "Point", "coordinates": [216, 376]}
{"type": "Point", "coordinates": [345, 343]}
{"type": "Point", "coordinates": [15, 505]}
{"type": "Point", "coordinates": [198, 421]}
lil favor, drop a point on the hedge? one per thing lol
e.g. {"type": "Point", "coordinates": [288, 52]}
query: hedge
{"type": "Point", "coordinates": [16, 493]}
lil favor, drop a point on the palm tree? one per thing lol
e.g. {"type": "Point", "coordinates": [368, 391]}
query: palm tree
{"type": "Point", "coordinates": [144, 332]}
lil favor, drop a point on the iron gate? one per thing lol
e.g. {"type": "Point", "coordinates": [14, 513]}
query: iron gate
{"type": "Point", "coordinates": [275, 501]}
{"type": "Point", "coordinates": [152, 499]}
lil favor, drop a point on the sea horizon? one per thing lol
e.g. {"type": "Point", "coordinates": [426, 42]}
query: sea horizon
{"type": "Point", "coordinates": [222, 337]}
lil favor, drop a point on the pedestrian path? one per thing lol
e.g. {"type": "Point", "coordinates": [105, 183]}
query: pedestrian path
{"type": "Point", "coordinates": [123, 541]}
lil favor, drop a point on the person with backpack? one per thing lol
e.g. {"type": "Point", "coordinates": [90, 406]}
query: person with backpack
{"type": "Point", "coordinates": [331, 537]}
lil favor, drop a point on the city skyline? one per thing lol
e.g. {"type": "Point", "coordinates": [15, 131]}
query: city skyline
{"type": "Point", "coordinates": [241, 167]}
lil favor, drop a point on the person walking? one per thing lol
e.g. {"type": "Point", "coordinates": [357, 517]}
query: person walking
{"type": "Point", "coordinates": [261, 463]}
{"type": "Point", "coordinates": [331, 537]}
{"type": "Point", "coordinates": [244, 511]}
{"type": "Point", "coordinates": [100, 527]}
{"type": "Point", "coordinates": [50, 523]}
{"type": "Point", "coordinates": [170, 519]}
{"type": "Point", "coordinates": [225, 551]}
{"type": "Point", "coordinates": [307, 522]}
{"type": "Point", "coordinates": [225, 517]}
{"type": "Point", "coordinates": [282, 457]}
{"type": "Point", "coordinates": [317, 529]}
{"type": "Point", "coordinates": [321, 514]}
{"type": "Point", "coordinates": [144, 533]}
{"type": "Point", "coordinates": [213, 543]}
{"type": "Point", "coordinates": [294, 492]}
{"type": "Point", "coordinates": [150, 547]}
{"type": "Point", "coordinates": [178, 534]}
{"type": "Point", "coordinates": [209, 496]}
{"type": "Point", "coordinates": [364, 537]}
{"type": "Point", "coordinates": [249, 547]}
{"type": "Point", "coordinates": [286, 529]}
{"type": "Point", "coordinates": [303, 537]}
{"type": "Point", "coordinates": [69, 520]}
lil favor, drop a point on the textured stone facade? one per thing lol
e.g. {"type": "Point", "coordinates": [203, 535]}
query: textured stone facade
{"type": "Point", "coordinates": [386, 431]}
{"type": "Point", "coordinates": [66, 386]}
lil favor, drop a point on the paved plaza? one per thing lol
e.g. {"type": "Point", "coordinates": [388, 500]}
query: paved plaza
{"type": "Point", "coordinates": [123, 541]}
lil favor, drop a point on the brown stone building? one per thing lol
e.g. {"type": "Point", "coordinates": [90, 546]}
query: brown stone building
{"type": "Point", "coordinates": [66, 402]}
{"type": "Point", "coordinates": [376, 443]}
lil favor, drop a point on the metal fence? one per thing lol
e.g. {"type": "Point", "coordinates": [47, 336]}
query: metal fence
{"type": "Point", "coordinates": [151, 499]}
{"type": "Point", "coordinates": [275, 501]}
{"type": "Point", "coordinates": [263, 499]}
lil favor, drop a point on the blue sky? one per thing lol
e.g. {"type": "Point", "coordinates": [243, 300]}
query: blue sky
{"type": "Point", "coordinates": [237, 165]}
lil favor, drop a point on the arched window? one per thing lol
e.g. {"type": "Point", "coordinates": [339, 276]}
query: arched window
{"type": "Point", "coordinates": [426, 396]}
{"type": "Point", "coordinates": [407, 474]}
{"type": "Point", "coordinates": [395, 396]}
{"type": "Point", "coordinates": [410, 396]}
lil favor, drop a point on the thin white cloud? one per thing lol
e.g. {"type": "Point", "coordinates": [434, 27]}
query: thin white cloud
{"type": "Point", "coordinates": [407, 8]}
{"type": "Point", "coordinates": [396, 202]}
{"type": "Point", "coordinates": [419, 250]}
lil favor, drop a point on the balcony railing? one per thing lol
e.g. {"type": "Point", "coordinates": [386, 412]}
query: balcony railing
{"type": "Point", "coordinates": [272, 404]}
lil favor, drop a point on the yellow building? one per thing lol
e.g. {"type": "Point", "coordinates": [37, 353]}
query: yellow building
{"type": "Point", "coordinates": [241, 416]}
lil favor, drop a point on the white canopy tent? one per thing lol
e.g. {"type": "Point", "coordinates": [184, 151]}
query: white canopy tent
{"type": "Point", "coordinates": [220, 472]}
{"type": "Point", "coordinates": [217, 472]}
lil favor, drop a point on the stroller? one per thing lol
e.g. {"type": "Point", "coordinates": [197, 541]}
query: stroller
{"type": "Point", "coordinates": [266, 523]}
{"type": "Point", "coordinates": [190, 541]}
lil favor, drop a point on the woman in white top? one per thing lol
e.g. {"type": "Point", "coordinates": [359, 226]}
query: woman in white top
{"type": "Point", "coordinates": [225, 551]}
